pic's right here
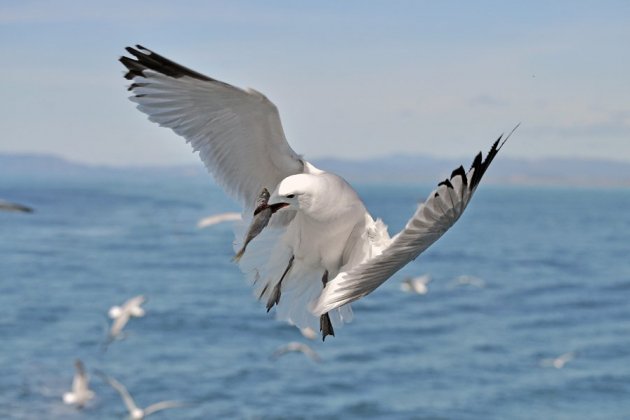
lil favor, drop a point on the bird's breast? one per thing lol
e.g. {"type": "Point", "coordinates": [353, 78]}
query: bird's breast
{"type": "Point", "coordinates": [320, 245]}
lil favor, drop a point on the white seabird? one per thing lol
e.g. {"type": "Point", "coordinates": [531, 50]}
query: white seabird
{"type": "Point", "coordinates": [121, 315]}
{"type": "Point", "coordinates": [295, 346]}
{"type": "Point", "coordinates": [218, 218]}
{"type": "Point", "coordinates": [135, 412]}
{"type": "Point", "coordinates": [559, 361]}
{"type": "Point", "coordinates": [322, 249]}
{"type": "Point", "coordinates": [416, 285]}
{"type": "Point", "coordinates": [465, 280]}
{"type": "Point", "coordinates": [81, 392]}
{"type": "Point", "coordinates": [308, 332]}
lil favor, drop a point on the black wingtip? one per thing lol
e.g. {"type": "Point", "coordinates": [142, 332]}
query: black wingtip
{"type": "Point", "coordinates": [480, 166]}
{"type": "Point", "coordinates": [460, 172]}
{"type": "Point", "coordinates": [446, 182]}
{"type": "Point", "coordinates": [508, 136]}
{"type": "Point", "coordinates": [147, 59]}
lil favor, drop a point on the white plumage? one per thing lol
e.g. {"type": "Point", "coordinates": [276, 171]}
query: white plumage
{"type": "Point", "coordinates": [135, 412]}
{"type": "Point", "coordinates": [323, 250]}
{"type": "Point", "coordinates": [218, 218]}
{"type": "Point", "coordinates": [81, 392]}
{"type": "Point", "coordinates": [121, 315]}
{"type": "Point", "coordinates": [418, 285]}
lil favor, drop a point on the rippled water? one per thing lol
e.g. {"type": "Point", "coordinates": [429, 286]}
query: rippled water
{"type": "Point", "coordinates": [555, 262]}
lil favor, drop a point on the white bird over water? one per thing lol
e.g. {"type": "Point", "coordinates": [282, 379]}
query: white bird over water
{"type": "Point", "coordinates": [295, 346]}
{"type": "Point", "coordinates": [321, 250]}
{"type": "Point", "coordinates": [465, 280]}
{"type": "Point", "coordinates": [135, 412]}
{"type": "Point", "coordinates": [559, 361]}
{"type": "Point", "coordinates": [416, 285]}
{"type": "Point", "coordinates": [121, 314]}
{"type": "Point", "coordinates": [218, 218]}
{"type": "Point", "coordinates": [81, 393]}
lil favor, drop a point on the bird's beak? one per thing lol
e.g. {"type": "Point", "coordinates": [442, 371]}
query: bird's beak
{"type": "Point", "coordinates": [277, 206]}
{"type": "Point", "coordinates": [276, 202]}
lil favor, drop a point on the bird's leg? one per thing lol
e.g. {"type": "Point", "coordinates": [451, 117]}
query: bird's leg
{"type": "Point", "coordinates": [325, 326]}
{"type": "Point", "coordinates": [274, 299]}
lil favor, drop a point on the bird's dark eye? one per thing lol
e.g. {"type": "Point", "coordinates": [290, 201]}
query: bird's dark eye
{"type": "Point", "coordinates": [290, 195]}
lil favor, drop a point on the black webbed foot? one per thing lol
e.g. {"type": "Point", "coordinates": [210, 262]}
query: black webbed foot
{"type": "Point", "coordinates": [325, 326]}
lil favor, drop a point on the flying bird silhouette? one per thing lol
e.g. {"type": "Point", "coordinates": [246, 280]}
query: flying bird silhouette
{"type": "Point", "coordinates": [416, 285]}
{"type": "Point", "coordinates": [121, 315]}
{"type": "Point", "coordinates": [81, 392]}
{"type": "Point", "coordinates": [298, 347]}
{"type": "Point", "coordinates": [135, 412]}
{"type": "Point", "coordinates": [218, 218]}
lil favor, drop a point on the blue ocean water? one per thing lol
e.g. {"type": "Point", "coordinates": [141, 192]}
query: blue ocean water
{"type": "Point", "coordinates": [555, 262]}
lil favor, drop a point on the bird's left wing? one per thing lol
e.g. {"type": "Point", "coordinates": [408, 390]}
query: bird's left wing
{"type": "Point", "coordinates": [431, 220]}
{"type": "Point", "coordinates": [134, 302]}
{"type": "Point", "coordinates": [80, 380]}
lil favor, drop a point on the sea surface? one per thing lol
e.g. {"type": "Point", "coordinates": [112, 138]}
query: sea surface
{"type": "Point", "coordinates": [555, 266]}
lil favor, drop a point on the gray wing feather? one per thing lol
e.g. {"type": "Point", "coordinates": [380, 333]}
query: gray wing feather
{"type": "Point", "coordinates": [237, 132]}
{"type": "Point", "coordinates": [432, 219]}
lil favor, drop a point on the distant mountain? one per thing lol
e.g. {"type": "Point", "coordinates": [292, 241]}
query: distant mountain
{"type": "Point", "coordinates": [420, 169]}
{"type": "Point", "coordinates": [43, 165]}
{"type": "Point", "coordinates": [398, 169]}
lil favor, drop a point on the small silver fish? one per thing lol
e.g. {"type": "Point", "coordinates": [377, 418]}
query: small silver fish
{"type": "Point", "coordinates": [262, 215]}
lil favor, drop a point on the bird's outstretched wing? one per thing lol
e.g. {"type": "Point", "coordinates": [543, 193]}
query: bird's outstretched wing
{"type": "Point", "coordinates": [162, 405]}
{"type": "Point", "coordinates": [431, 220]}
{"type": "Point", "coordinates": [237, 132]}
{"type": "Point", "coordinates": [80, 380]}
{"type": "Point", "coordinates": [120, 388]}
{"type": "Point", "coordinates": [134, 302]}
{"type": "Point", "coordinates": [295, 346]}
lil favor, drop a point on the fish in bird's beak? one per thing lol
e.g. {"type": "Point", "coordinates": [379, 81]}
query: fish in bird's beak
{"type": "Point", "coordinates": [262, 215]}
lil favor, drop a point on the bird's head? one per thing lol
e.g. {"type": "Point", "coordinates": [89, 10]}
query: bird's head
{"type": "Point", "coordinates": [114, 312]}
{"type": "Point", "coordinates": [293, 193]}
{"type": "Point", "coordinates": [137, 414]}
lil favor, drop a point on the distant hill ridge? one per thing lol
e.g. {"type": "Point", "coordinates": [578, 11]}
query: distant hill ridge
{"type": "Point", "coordinates": [399, 169]}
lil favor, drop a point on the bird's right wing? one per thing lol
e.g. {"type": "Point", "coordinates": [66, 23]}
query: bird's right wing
{"type": "Point", "coordinates": [162, 405]}
{"type": "Point", "coordinates": [133, 302]}
{"type": "Point", "coordinates": [120, 388]}
{"type": "Point", "coordinates": [237, 132]}
{"type": "Point", "coordinates": [431, 220]}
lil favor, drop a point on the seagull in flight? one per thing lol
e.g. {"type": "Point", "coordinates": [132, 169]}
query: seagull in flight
{"type": "Point", "coordinates": [218, 218]}
{"type": "Point", "coordinates": [465, 280]}
{"type": "Point", "coordinates": [295, 346]}
{"type": "Point", "coordinates": [559, 361]}
{"type": "Point", "coordinates": [81, 392]}
{"type": "Point", "coordinates": [321, 250]}
{"type": "Point", "coordinates": [416, 285]}
{"type": "Point", "coordinates": [121, 315]}
{"type": "Point", "coordinates": [135, 412]}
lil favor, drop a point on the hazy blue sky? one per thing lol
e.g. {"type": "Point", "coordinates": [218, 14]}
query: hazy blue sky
{"type": "Point", "coordinates": [351, 78]}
